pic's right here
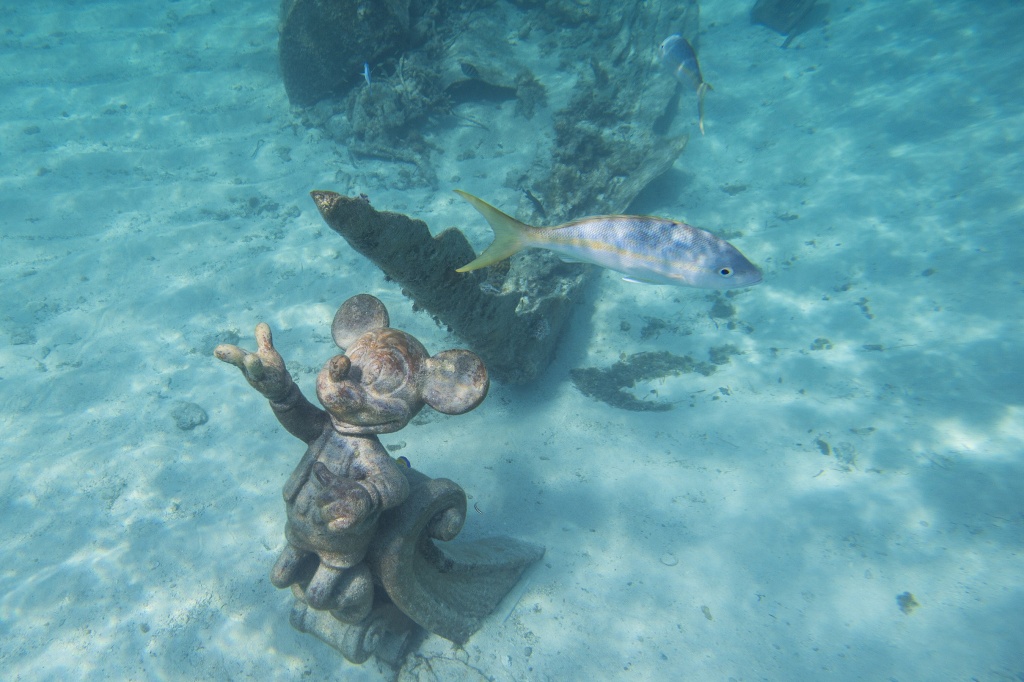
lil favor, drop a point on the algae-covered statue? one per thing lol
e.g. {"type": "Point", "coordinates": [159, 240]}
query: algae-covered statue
{"type": "Point", "coordinates": [357, 518]}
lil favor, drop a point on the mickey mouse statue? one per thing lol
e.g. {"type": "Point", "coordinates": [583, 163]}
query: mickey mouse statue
{"type": "Point", "coordinates": [348, 497]}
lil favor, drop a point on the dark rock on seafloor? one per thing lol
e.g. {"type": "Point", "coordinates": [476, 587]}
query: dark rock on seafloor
{"type": "Point", "coordinates": [622, 126]}
{"type": "Point", "coordinates": [188, 416]}
{"type": "Point", "coordinates": [324, 43]}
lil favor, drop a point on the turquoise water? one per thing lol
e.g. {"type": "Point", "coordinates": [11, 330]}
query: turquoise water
{"type": "Point", "coordinates": [841, 496]}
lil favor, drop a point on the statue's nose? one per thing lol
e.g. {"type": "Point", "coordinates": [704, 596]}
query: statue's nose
{"type": "Point", "coordinates": [338, 367]}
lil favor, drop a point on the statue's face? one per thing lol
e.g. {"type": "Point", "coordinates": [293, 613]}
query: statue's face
{"type": "Point", "coordinates": [375, 387]}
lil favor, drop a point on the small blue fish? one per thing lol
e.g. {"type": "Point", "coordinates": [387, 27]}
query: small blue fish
{"type": "Point", "coordinates": [677, 53]}
{"type": "Point", "coordinates": [642, 248]}
{"type": "Point", "coordinates": [366, 72]}
{"type": "Point", "coordinates": [404, 461]}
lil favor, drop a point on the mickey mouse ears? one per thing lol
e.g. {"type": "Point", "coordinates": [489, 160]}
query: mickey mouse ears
{"type": "Point", "coordinates": [356, 316]}
{"type": "Point", "coordinates": [456, 381]}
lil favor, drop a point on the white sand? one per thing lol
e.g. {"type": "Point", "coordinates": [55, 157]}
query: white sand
{"type": "Point", "coordinates": [142, 217]}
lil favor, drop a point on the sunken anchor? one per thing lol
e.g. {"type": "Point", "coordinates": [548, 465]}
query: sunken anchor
{"type": "Point", "coordinates": [361, 558]}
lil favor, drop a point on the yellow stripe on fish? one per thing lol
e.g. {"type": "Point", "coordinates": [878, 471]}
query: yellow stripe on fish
{"type": "Point", "coordinates": [642, 248]}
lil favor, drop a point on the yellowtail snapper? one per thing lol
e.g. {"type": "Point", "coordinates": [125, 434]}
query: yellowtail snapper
{"type": "Point", "coordinates": [644, 249]}
{"type": "Point", "coordinates": [677, 53]}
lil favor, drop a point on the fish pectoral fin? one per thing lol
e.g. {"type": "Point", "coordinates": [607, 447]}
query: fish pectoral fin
{"type": "Point", "coordinates": [636, 280]}
{"type": "Point", "coordinates": [509, 234]}
{"type": "Point", "coordinates": [566, 259]}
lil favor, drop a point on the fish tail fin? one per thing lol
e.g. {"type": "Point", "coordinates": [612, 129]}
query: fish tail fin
{"type": "Point", "coordinates": [509, 234]}
{"type": "Point", "coordinates": [702, 90]}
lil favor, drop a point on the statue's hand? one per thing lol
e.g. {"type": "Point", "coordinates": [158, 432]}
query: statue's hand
{"type": "Point", "coordinates": [343, 502]}
{"type": "Point", "coordinates": [264, 369]}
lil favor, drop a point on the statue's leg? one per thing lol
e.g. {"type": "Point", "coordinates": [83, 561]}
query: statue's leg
{"type": "Point", "coordinates": [321, 589]}
{"type": "Point", "coordinates": [346, 592]}
{"type": "Point", "coordinates": [291, 565]}
{"type": "Point", "coordinates": [354, 596]}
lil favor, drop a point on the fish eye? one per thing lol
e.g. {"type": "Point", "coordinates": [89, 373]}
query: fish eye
{"type": "Point", "coordinates": [725, 272]}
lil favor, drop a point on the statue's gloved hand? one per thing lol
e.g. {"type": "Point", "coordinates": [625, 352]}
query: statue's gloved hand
{"type": "Point", "coordinates": [343, 502]}
{"type": "Point", "coordinates": [264, 369]}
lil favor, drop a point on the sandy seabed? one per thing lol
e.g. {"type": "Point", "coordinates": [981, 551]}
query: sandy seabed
{"type": "Point", "coordinates": [864, 441]}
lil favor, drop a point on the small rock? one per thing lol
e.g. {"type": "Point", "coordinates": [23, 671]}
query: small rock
{"type": "Point", "coordinates": [22, 336]}
{"type": "Point", "coordinates": [669, 559]}
{"type": "Point", "coordinates": [907, 602]}
{"type": "Point", "coordinates": [188, 416]}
